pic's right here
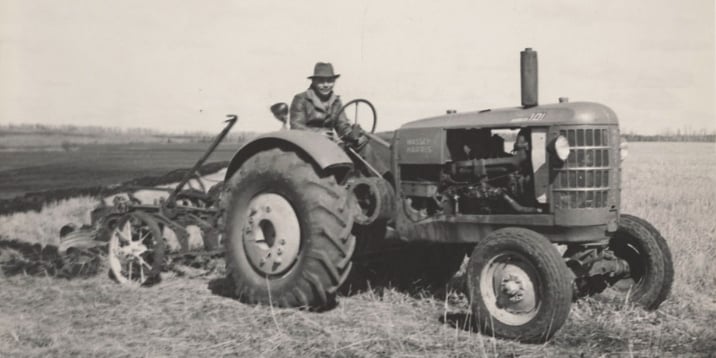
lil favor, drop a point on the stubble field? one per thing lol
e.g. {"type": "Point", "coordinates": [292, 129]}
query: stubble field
{"type": "Point", "coordinates": [672, 185]}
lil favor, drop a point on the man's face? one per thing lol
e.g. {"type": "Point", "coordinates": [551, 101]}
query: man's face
{"type": "Point", "coordinates": [324, 85]}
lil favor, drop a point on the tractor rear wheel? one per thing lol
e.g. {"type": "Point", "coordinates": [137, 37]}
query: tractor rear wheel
{"type": "Point", "coordinates": [288, 232]}
{"type": "Point", "coordinates": [649, 258]}
{"type": "Point", "coordinates": [519, 286]}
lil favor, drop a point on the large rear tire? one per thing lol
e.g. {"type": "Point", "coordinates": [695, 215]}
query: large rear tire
{"type": "Point", "coordinates": [288, 232]}
{"type": "Point", "coordinates": [649, 258]}
{"type": "Point", "coordinates": [519, 286]}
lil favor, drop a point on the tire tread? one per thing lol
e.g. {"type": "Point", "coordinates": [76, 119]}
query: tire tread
{"type": "Point", "coordinates": [330, 246]}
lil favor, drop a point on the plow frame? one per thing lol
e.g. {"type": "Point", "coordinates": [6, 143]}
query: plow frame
{"type": "Point", "coordinates": [177, 213]}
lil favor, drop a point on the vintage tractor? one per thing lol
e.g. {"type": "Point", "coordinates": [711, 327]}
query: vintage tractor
{"type": "Point", "coordinates": [531, 194]}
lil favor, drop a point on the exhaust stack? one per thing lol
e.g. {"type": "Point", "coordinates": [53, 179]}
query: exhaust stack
{"type": "Point", "coordinates": [528, 77]}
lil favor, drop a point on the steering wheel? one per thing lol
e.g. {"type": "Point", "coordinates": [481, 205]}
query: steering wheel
{"type": "Point", "coordinates": [357, 103]}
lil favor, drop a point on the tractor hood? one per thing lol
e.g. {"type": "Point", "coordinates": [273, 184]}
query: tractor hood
{"type": "Point", "coordinates": [546, 115]}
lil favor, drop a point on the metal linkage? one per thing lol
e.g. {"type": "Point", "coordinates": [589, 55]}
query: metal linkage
{"type": "Point", "coordinates": [171, 201]}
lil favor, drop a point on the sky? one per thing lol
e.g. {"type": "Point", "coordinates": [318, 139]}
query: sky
{"type": "Point", "coordinates": [182, 66]}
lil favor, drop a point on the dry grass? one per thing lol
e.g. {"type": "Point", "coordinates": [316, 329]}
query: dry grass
{"type": "Point", "coordinates": [44, 227]}
{"type": "Point", "coordinates": [673, 185]}
{"type": "Point", "coordinates": [182, 317]}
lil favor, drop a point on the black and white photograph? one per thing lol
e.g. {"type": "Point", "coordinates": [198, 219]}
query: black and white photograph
{"type": "Point", "coordinates": [244, 178]}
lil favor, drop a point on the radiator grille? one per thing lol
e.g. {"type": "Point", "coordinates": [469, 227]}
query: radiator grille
{"type": "Point", "coordinates": [583, 181]}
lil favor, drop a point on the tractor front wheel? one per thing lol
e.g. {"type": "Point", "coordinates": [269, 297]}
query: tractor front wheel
{"type": "Point", "coordinates": [288, 232]}
{"type": "Point", "coordinates": [651, 268]}
{"type": "Point", "coordinates": [519, 286]}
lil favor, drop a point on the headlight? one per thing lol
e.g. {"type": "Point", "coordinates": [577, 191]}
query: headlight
{"type": "Point", "coordinates": [561, 148]}
{"type": "Point", "coordinates": [623, 149]}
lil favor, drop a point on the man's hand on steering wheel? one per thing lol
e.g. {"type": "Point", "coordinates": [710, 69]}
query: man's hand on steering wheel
{"type": "Point", "coordinates": [356, 137]}
{"type": "Point", "coordinates": [361, 142]}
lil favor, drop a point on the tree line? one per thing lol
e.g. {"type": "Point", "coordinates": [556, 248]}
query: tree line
{"type": "Point", "coordinates": [237, 137]}
{"type": "Point", "coordinates": [678, 136]}
{"type": "Point", "coordinates": [135, 133]}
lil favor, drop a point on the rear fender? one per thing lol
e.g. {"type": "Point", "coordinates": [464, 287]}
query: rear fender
{"type": "Point", "coordinates": [323, 152]}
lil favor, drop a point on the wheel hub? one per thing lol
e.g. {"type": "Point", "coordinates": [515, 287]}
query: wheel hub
{"type": "Point", "coordinates": [271, 234]}
{"type": "Point", "coordinates": [127, 253]}
{"type": "Point", "coordinates": [508, 290]}
{"type": "Point", "coordinates": [133, 249]}
{"type": "Point", "coordinates": [512, 287]}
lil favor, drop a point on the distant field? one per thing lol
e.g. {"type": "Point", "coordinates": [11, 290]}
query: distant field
{"type": "Point", "coordinates": [673, 185]}
{"type": "Point", "coordinates": [91, 165]}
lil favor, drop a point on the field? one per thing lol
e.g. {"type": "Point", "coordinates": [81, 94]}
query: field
{"type": "Point", "coordinates": [672, 185]}
{"type": "Point", "coordinates": [97, 165]}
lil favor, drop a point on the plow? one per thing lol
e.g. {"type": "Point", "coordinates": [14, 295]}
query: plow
{"type": "Point", "coordinates": [141, 239]}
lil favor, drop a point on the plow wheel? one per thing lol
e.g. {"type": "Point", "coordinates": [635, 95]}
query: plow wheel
{"type": "Point", "coordinates": [136, 250]}
{"type": "Point", "coordinates": [288, 232]}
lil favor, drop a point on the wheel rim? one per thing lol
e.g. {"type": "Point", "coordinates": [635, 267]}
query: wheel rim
{"type": "Point", "coordinates": [271, 234]}
{"type": "Point", "coordinates": [507, 286]}
{"type": "Point", "coordinates": [131, 251]}
{"type": "Point", "coordinates": [637, 267]}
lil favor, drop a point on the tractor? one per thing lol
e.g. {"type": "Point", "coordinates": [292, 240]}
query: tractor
{"type": "Point", "coordinates": [530, 194]}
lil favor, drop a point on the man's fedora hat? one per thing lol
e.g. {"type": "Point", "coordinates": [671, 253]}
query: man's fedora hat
{"type": "Point", "coordinates": [323, 70]}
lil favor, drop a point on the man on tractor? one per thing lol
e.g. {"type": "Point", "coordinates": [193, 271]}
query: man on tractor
{"type": "Point", "coordinates": [320, 109]}
{"type": "Point", "coordinates": [317, 107]}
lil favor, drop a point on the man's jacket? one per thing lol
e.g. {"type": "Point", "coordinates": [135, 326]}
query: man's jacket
{"type": "Point", "coordinates": [309, 112]}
